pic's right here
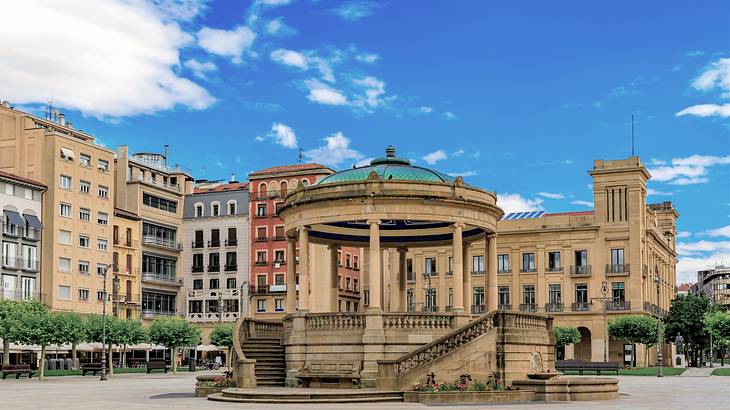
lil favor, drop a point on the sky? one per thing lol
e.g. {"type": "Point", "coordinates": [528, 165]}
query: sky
{"type": "Point", "coordinates": [518, 97]}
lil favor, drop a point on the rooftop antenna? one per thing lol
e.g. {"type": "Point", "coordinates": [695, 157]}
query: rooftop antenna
{"type": "Point", "coordinates": [632, 135]}
{"type": "Point", "coordinates": [300, 155]}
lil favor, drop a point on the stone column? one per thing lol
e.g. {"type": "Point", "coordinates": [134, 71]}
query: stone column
{"type": "Point", "coordinates": [491, 253]}
{"type": "Point", "coordinates": [291, 275]}
{"type": "Point", "coordinates": [373, 338]}
{"type": "Point", "coordinates": [467, 279]}
{"type": "Point", "coordinates": [376, 278]}
{"type": "Point", "coordinates": [304, 269]}
{"type": "Point", "coordinates": [402, 279]}
{"type": "Point", "coordinates": [458, 280]}
{"type": "Point", "coordinates": [334, 284]}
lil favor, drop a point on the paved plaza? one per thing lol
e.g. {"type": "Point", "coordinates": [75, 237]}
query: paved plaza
{"type": "Point", "coordinates": [141, 391]}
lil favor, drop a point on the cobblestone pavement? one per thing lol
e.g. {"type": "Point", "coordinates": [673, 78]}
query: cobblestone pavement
{"type": "Point", "coordinates": [160, 391]}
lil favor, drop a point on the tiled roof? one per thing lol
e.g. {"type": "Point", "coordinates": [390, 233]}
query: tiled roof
{"type": "Point", "coordinates": [685, 287]}
{"type": "Point", "coordinates": [575, 213]}
{"type": "Point", "coordinates": [235, 186]}
{"type": "Point", "coordinates": [21, 179]}
{"type": "Point", "coordinates": [288, 168]}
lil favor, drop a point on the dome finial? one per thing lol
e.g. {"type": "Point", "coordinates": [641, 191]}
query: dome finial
{"type": "Point", "coordinates": [390, 152]}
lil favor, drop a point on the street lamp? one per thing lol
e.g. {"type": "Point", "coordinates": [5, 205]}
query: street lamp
{"type": "Point", "coordinates": [604, 301]}
{"type": "Point", "coordinates": [246, 284]}
{"type": "Point", "coordinates": [659, 358]}
{"type": "Point", "coordinates": [103, 326]}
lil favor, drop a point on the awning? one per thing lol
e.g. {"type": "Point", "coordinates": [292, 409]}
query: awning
{"type": "Point", "coordinates": [33, 221]}
{"type": "Point", "coordinates": [14, 218]}
{"type": "Point", "coordinates": [67, 153]}
{"type": "Point", "coordinates": [208, 348]}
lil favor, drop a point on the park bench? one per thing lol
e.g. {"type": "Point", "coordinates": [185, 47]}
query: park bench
{"type": "Point", "coordinates": [157, 365]}
{"type": "Point", "coordinates": [16, 369]}
{"type": "Point", "coordinates": [582, 366]}
{"type": "Point", "coordinates": [91, 367]}
{"type": "Point", "coordinates": [330, 374]}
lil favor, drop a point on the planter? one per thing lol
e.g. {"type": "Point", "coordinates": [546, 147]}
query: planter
{"type": "Point", "coordinates": [469, 397]}
{"type": "Point", "coordinates": [205, 391]}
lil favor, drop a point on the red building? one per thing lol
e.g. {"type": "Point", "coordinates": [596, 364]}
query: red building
{"type": "Point", "coordinates": [268, 189]}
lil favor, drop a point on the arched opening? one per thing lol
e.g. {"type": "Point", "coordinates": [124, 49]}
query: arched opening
{"type": "Point", "coordinates": [262, 190]}
{"type": "Point", "coordinates": [283, 189]}
{"type": "Point", "coordinates": [583, 349]}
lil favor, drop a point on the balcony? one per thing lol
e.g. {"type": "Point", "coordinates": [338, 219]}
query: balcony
{"type": "Point", "coordinates": [32, 234]}
{"type": "Point", "coordinates": [231, 268]}
{"type": "Point", "coordinates": [528, 307]}
{"type": "Point", "coordinates": [261, 263]}
{"type": "Point", "coordinates": [29, 265]}
{"type": "Point", "coordinates": [528, 270]}
{"type": "Point", "coordinates": [580, 307]}
{"type": "Point", "coordinates": [554, 269]}
{"type": "Point", "coordinates": [617, 270]}
{"type": "Point", "coordinates": [478, 273]}
{"type": "Point", "coordinates": [231, 242]}
{"type": "Point", "coordinates": [162, 242]}
{"type": "Point", "coordinates": [553, 307]}
{"type": "Point", "coordinates": [197, 245]}
{"type": "Point", "coordinates": [478, 309]}
{"type": "Point", "coordinates": [450, 273]}
{"type": "Point", "coordinates": [168, 279]}
{"type": "Point", "coordinates": [430, 309]}
{"type": "Point", "coordinates": [504, 306]}
{"type": "Point", "coordinates": [214, 243]}
{"type": "Point", "coordinates": [214, 268]}
{"type": "Point", "coordinates": [654, 310]}
{"type": "Point", "coordinates": [153, 313]}
{"type": "Point", "coordinates": [504, 272]}
{"type": "Point", "coordinates": [19, 294]}
{"type": "Point", "coordinates": [260, 289]}
{"type": "Point", "coordinates": [279, 262]}
{"type": "Point", "coordinates": [12, 263]}
{"type": "Point", "coordinates": [279, 238]}
{"type": "Point", "coordinates": [580, 271]}
{"type": "Point", "coordinates": [10, 229]}
{"type": "Point", "coordinates": [618, 305]}
{"type": "Point", "coordinates": [261, 239]}
{"type": "Point", "coordinates": [126, 243]}
{"type": "Point", "coordinates": [126, 298]}
{"type": "Point", "coordinates": [430, 274]}
{"type": "Point", "coordinates": [197, 269]}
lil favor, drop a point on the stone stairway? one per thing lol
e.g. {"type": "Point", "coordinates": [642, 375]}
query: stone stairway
{"type": "Point", "coordinates": [269, 355]}
{"type": "Point", "coordinates": [305, 396]}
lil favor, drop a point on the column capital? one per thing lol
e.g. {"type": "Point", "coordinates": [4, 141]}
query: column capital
{"type": "Point", "coordinates": [458, 225]}
{"type": "Point", "coordinates": [303, 228]}
{"type": "Point", "coordinates": [402, 249]}
{"type": "Point", "coordinates": [334, 246]}
{"type": "Point", "coordinates": [374, 221]}
{"type": "Point", "coordinates": [492, 235]}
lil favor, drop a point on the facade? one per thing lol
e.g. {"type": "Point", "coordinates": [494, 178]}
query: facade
{"type": "Point", "coordinates": [77, 207]}
{"type": "Point", "coordinates": [153, 190]}
{"type": "Point", "coordinates": [685, 289]}
{"type": "Point", "coordinates": [269, 253]}
{"type": "Point", "coordinates": [215, 265]}
{"type": "Point", "coordinates": [126, 283]}
{"type": "Point", "coordinates": [20, 199]}
{"type": "Point", "coordinates": [715, 284]}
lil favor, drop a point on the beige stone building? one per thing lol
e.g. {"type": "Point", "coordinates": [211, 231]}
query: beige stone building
{"type": "Point", "coordinates": [127, 280]}
{"type": "Point", "coordinates": [77, 207]}
{"type": "Point", "coordinates": [153, 190]}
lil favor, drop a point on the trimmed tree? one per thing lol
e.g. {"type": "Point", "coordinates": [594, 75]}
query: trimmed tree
{"type": "Point", "coordinates": [174, 332]}
{"type": "Point", "coordinates": [222, 336]}
{"type": "Point", "coordinates": [565, 336]}
{"type": "Point", "coordinates": [129, 332]}
{"type": "Point", "coordinates": [636, 329]}
{"type": "Point", "coordinates": [12, 314]}
{"type": "Point", "coordinates": [95, 327]}
{"type": "Point", "coordinates": [73, 329]}
{"type": "Point", "coordinates": [42, 329]}
{"type": "Point", "coordinates": [685, 317]}
{"type": "Point", "coordinates": [717, 324]}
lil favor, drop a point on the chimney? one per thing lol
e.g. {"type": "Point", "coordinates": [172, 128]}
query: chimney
{"type": "Point", "coordinates": [61, 119]}
{"type": "Point", "coordinates": [68, 124]}
{"type": "Point", "coordinates": [167, 150]}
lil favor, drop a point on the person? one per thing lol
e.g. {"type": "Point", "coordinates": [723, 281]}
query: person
{"type": "Point", "coordinates": [679, 342]}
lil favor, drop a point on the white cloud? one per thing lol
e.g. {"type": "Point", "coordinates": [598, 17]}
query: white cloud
{"type": "Point", "coordinates": [369, 58]}
{"type": "Point", "coordinates": [688, 170]}
{"type": "Point", "coordinates": [200, 69]}
{"type": "Point", "coordinates": [715, 76]}
{"type": "Point", "coordinates": [655, 161]}
{"type": "Point", "coordinates": [277, 27]}
{"type": "Point", "coordinates": [654, 192]}
{"type": "Point", "coordinates": [516, 203]}
{"type": "Point", "coordinates": [283, 135]}
{"type": "Point", "coordinates": [335, 151]}
{"type": "Point", "coordinates": [582, 203]}
{"type": "Point", "coordinates": [435, 157]}
{"type": "Point", "coordinates": [183, 10]}
{"type": "Point", "coordinates": [108, 60]}
{"type": "Point", "coordinates": [364, 162]}
{"type": "Point", "coordinates": [463, 174]}
{"type": "Point", "coordinates": [324, 94]}
{"type": "Point", "coordinates": [689, 181]}
{"type": "Point", "coordinates": [683, 234]}
{"type": "Point", "coordinates": [551, 195]}
{"type": "Point", "coordinates": [458, 153]}
{"type": "Point", "coordinates": [425, 109]}
{"type": "Point", "coordinates": [694, 256]}
{"type": "Point", "coordinates": [723, 231]}
{"type": "Point", "coordinates": [355, 9]}
{"type": "Point", "coordinates": [706, 110]}
{"type": "Point", "coordinates": [273, 3]}
{"type": "Point", "coordinates": [373, 89]}
{"type": "Point", "coordinates": [226, 43]}
{"type": "Point", "coordinates": [290, 58]}
{"type": "Point", "coordinates": [450, 115]}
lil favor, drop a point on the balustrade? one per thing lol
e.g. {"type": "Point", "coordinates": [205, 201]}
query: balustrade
{"type": "Point", "coordinates": [335, 321]}
{"type": "Point", "coordinates": [416, 321]}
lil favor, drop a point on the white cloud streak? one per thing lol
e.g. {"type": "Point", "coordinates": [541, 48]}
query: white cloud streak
{"type": "Point", "coordinates": [290, 58]}
{"type": "Point", "coordinates": [321, 93]}
{"type": "Point", "coordinates": [588, 204]}
{"type": "Point", "coordinates": [226, 43]}
{"type": "Point", "coordinates": [715, 77]}
{"type": "Point", "coordinates": [283, 135]}
{"type": "Point", "coordinates": [517, 203]}
{"type": "Point", "coordinates": [334, 152]}
{"type": "Point", "coordinates": [687, 171]}
{"type": "Point", "coordinates": [551, 195]}
{"type": "Point", "coordinates": [199, 69]}
{"type": "Point", "coordinates": [435, 157]}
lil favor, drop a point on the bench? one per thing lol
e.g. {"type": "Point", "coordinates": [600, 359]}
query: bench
{"type": "Point", "coordinates": [17, 369]}
{"type": "Point", "coordinates": [582, 366]}
{"type": "Point", "coordinates": [330, 374]}
{"type": "Point", "coordinates": [91, 367]}
{"type": "Point", "coordinates": [157, 365]}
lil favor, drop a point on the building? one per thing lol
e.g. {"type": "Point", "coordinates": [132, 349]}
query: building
{"type": "Point", "coordinates": [269, 253]}
{"type": "Point", "coordinates": [126, 283]}
{"type": "Point", "coordinates": [21, 201]}
{"type": "Point", "coordinates": [150, 188]}
{"type": "Point", "coordinates": [685, 289]}
{"type": "Point", "coordinates": [715, 284]}
{"type": "Point", "coordinates": [77, 207]}
{"type": "Point", "coordinates": [216, 253]}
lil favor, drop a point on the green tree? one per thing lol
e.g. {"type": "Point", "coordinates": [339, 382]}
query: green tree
{"type": "Point", "coordinates": [96, 328]}
{"type": "Point", "coordinates": [566, 336]}
{"type": "Point", "coordinates": [222, 336]}
{"type": "Point", "coordinates": [42, 329]}
{"type": "Point", "coordinates": [636, 329]}
{"type": "Point", "coordinates": [128, 332]}
{"type": "Point", "coordinates": [685, 317]}
{"type": "Point", "coordinates": [12, 323]}
{"type": "Point", "coordinates": [74, 330]}
{"type": "Point", "coordinates": [174, 332]}
{"type": "Point", "coordinates": [717, 324]}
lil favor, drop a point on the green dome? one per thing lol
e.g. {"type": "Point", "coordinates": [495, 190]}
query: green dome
{"type": "Point", "coordinates": [388, 168]}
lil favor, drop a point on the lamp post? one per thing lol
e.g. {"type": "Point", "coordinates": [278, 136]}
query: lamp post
{"type": "Point", "coordinates": [247, 285]}
{"type": "Point", "coordinates": [659, 358]}
{"type": "Point", "coordinates": [604, 301]}
{"type": "Point", "coordinates": [103, 327]}
{"type": "Point", "coordinates": [427, 290]}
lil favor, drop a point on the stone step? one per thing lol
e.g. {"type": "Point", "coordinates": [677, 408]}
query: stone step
{"type": "Point", "coordinates": [301, 398]}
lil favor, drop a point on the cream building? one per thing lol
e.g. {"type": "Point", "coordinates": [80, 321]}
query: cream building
{"type": "Point", "coordinates": [77, 207]}
{"type": "Point", "coordinates": [153, 190]}
{"type": "Point", "coordinates": [127, 280]}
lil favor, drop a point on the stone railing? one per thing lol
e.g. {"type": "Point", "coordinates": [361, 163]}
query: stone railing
{"type": "Point", "coordinates": [263, 328]}
{"type": "Point", "coordinates": [528, 321]}
{"type": "Point", "coordinates": [244, 368]}
{"type": "Point", "coordinates": [442, 346]}
{"type": "Point", "coordinates": [335, 321]}
{"type": "Point", "coordinates": [417, 321]}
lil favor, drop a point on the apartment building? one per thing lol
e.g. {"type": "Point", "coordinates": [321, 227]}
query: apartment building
{"type": "Point", "coordinates": [21, 202]}
{"type": "Point", "coordinates": [126, 283]}
{"type": "Point", "coordinates": [216, 253]}
{"type": "Point", "coordinates": [268, 189]}
{"type": "Point", "coordinates": [148, 186]}
{"type": "Point", "coordinates": [76, 208]}
{"type": "Point", "coordinates": [715, 284]}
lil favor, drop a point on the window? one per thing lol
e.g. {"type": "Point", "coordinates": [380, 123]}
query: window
{"type": "Point", "coordinates": [232, 208]}
{"type": "Point", "coordinates": [9, 189]}
{"type": "Point", "coordinates": [410, 277]}
{"type": "Point", "coordinates": [430, 300]}
{"type": "Point", "coordinates": [430, 266]}
{"type": "Point", "coordinates": [581, 293]}
{"type": "Point", "coordinates": [84, 294]}
{"type": "Point", "coordinates": [197, 262]}
{"type": "Point", "coordinates": [102, 218]}
{"type": "Point", "coordinates": [103, 165]}
{"type": "Point", "coordinates": [68, 155]}
{"type": "Point", "coordinates": [477, 298]}
{"type": "Point", "coordinates": [503, 296]}
{"type": "Point", "coordinates": [215, 238]}
{"type": "Point", "coordinates": [261, 281]}
{"type": "Point", "coordinates": [214, 283]}
{"type": "Point", "coordinates": [85, 160]}
{"type": "Point", "coordinates": [214, 262]}
{"type": "Point", "coordinates": [161, 267]}
{"type": "Point", "coordinates": [84, 187]}
{"type": "Point", "coordinates": [101, 269]}
{"type": "Point", "coordinates": [261, 305]}
{"type": "Point", "coordinates": [503, 263]}
{"type": "Point", "coordinates": [410, 299]}
{"type": "Point", "coordinates": [617, 260]}
{"type": "Point", "coordinates": [64, 237]}
{"type": "Point", "coordinates": [197, 284]}
{"type": "Point", "coordinates": [215, 209]}
{"type": "Point", "coordinates": [261, 210]}
{"type": "Point", "coordinates": [261, 257]}
{"type": "Point", "coordinates": [85, 214]}
{"type": "Point", "coordinates": [618, 293]}
{"type": "Point", "coordinates": [64, 210]}
{"type": "Point", "coordinates": [451, 297]}
{"type": "Point", "coordinates": [477, 263]}
{"type": "Point", "coordinates": [554, 261]}
{"type": "Point", "coordinates": [279, 256]}
{"type": "Point", "coordinates": [28, 193]}
{"type": "Point", "coordinates": [195, 306]}
{"type": "Point", "coordinates": [84, 267]}
{"type": "Point", "coordinates": [451, 264]}
{"type": "Point", "coordinates": [100, 295]}
{"type": "Point", "coordinates": [355, 286]}
{"type": "Point", "coordinates": [528, 294]}
{"type": "Point", "coordinates": [10, 249]}
{"type": "Point", "coordinates": [355, 264]}
{"type": "Point", "coordinates": [347, 283]}
{"type": "Point", "coordinates": [159, 235]}
{"type": "Point", "coordinates": [103, 191]}
{"type": "Point", "coordinates": [64, 292]}
{"type": "Point", "coordinates": [84, 241]}
{"type": "Point", "coordinates": [554, 294]}
{"type": "Point", "coordinates": [231, 263]}
{"type": "Point", "coordinates": [279, 305]}
{"type": "Point", "coordinates": [102, 244]}
{"type": "Point", "coordinates": [65, 182]}
{"type": "Point", "coordinates": [163, 204]}
{"type": "Point", "coordinates": [581, 258]}
{"type": "Point", "coordinates": [231, 283]}
{"type": "Point", "coordinates": [261, 234]}
{"type": "Point", "coordinates": [232, 237]}
{"type": "Point", "coordinates": [198, 243]}
{"type": "Point", "coordinates": [198, 211]}
{"type": "Point", "coordinates": [528, 262]}
{"type": "Point", "coordinates": [64, 265]}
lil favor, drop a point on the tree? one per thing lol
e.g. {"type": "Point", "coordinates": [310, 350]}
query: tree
{"type": "Point", "coordinates": [685, 317]}
{"type": "Point", "coordinates": [74, 330]}
{"type": "Point", "coordinates": [717, 324]}
{"type": "Point", "coordinates": [128, 332]}
{"type": "Point", "coordinates": [174, 332]}
{"type": "Point", "coordinates": [43, 329]}
{"type": "Point", "coordinates": [96, 328]}
{"type": "Point", "coordinates": [222, 336]}
{"type": "Point", "coordinates": [636, 329]}
{"type": "Point", "coordinates": [12, 323]}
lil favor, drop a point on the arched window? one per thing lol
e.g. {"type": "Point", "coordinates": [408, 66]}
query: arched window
{"type": "Point", "coordinates": [274, 189]}
{"type": "Point", "coordinates": [232, 207]}
{"type": "Point", "coordinates": [262, 190]}
{"type": "Point", "coordinates": [283, 188]}
{"type": "Point", "coordinates": [198, 210]}
{"type": "Point", "coordinates": [215, 208]}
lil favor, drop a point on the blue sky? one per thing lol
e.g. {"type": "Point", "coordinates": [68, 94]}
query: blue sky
{"type": "Point", "coordinates": [518, 97]}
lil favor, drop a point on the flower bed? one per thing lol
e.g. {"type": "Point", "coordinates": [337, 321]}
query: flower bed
{"type": "Point", "coordinates": [464, 391]}
{"type": "Point", "coordinates": [207, 384]}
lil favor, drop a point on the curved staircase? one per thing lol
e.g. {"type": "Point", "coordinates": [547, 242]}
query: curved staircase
{"type": "Point", "coordinates": [270, 368]}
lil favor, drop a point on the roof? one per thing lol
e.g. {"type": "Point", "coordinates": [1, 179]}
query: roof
{"type": "Point", "coordinates": [523, 215]}
{"type": "Point", "coordinates": [288, 168]}
{"type": "Point", "coordinates": [126, 214]}
{"type": "Point", "coordinates": [388, 168]}
{"type": "Point", "coordinates": [232, 186]}
{"type": "Point", "coordinates": [573, 213]}
{"type": "Point", "coordinates": [685, 287]}
{"type": "Point", "coordinates": [22, 179]}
